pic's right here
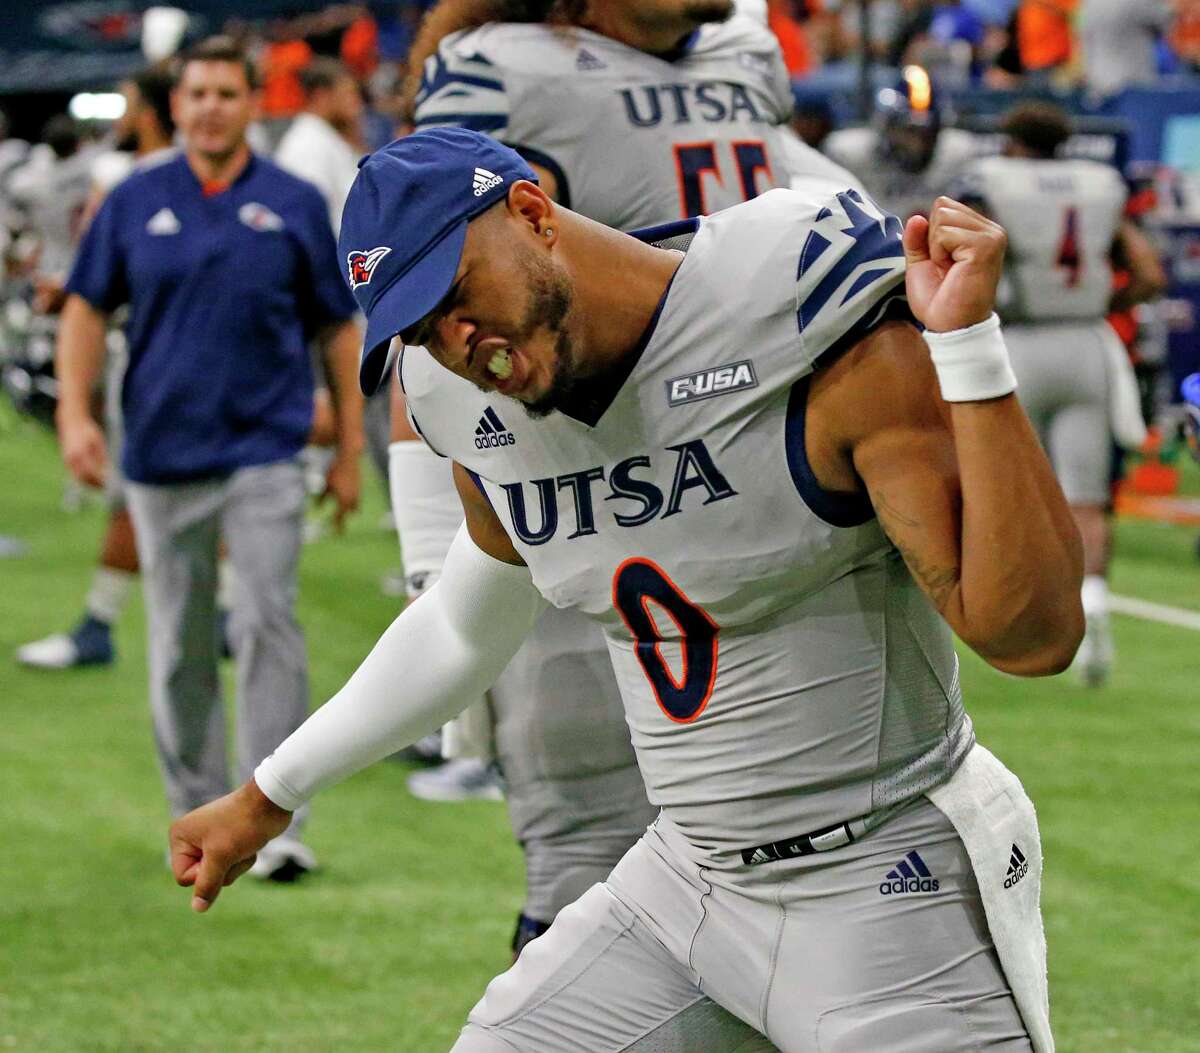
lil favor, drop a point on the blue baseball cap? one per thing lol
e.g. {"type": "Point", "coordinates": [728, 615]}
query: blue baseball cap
{"type": "Point", "coordinates": [405, 222]}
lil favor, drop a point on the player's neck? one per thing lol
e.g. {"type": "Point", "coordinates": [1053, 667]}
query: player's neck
{"type": "Point", "coordinates": [615, 21]}
{"type": "Point", "coordinates": [620, 282]}
{"type": "Point", "coordinates": [219, 168]}
{"type": "Point", "coordinates": [151, 144]}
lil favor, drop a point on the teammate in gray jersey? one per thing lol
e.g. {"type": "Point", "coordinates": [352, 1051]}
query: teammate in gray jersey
{"type": "Point", "coordinates": [1066, 224]}
{"type": "Point", "coordinates": [633, 114]}
{"type": "Point", "coordinates": [906, 158]}
{"type": "Point", "coordinates": [735, 461]}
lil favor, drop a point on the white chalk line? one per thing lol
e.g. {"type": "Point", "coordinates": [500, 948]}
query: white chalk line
{"type": "Point", "coordinates": [1154, 612]}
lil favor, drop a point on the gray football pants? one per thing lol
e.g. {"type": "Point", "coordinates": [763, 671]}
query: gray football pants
{"type": "Point", "coordinates": [1062, 382]}
{"type": "Point", "coordinates": [668, 956]}
{"type": "Point", "coordinates": [576, 800]}
{"type": "Point", "coordinates": [259, 513]}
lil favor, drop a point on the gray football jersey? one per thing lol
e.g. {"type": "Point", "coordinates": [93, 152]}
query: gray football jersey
{"type": "Point", "coordinates": [1062, 217]}
{"type": "Point", "coordinates": [897, 190]}
{"type": "Point", "coordinates": [779, 668]}
{"type": "Point", "coordinates": [633, 139]}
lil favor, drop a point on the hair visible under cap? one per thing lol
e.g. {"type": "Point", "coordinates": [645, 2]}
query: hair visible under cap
{"type": "Point", "coordinates": [1040, 127]}
{"type": "Point", "coordinates": [219, 49]}
{"type": "Point", "coordinates": [154, 86]}
{"type": "Point", "coordinates": [322, 73]}
{"type": "Point", "coordinates": [453, 16]}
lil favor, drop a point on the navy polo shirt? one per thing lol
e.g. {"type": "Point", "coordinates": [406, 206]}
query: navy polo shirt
{"type": "Point", "coordinates": [225, 291]}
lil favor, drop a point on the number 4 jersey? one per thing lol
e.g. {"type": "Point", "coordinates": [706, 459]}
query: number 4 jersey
{"type": "Point", "coordinates": [1061, 217]}
{"type": "Point", "coordinates": [633, 139]}
{"type": "Point", "coordinates": [780, 670]}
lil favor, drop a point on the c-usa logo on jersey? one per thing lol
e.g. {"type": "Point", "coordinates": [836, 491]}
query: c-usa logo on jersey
{"type": "Point", "coordinates": [708, 383]}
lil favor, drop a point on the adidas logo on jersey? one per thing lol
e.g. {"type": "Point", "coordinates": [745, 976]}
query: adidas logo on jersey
{"type": "Point", "coordinates": [164, 221]}
{"type": "Point", "coordinates": [911, 875]}
{"type": "Point", "coordinates": [484, 181]}
{"type": "Point", "coordinates": [585, 60]}
{"type": "Point", "coordinates": [490, 432]}
{"type": "Point", "coordinates": [1018, 867]}
{"type": "Point", "coordinates": [720, 380]}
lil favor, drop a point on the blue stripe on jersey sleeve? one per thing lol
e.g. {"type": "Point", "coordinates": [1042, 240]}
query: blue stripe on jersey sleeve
{"type": "Point", "coordinates": [873, 240]}
{"type": "Point", "coordinates": [438, 75]}
{"type": "Point", "coordinates": [862, 281]}
{"type": "Point", "coordinates": [476, 122]}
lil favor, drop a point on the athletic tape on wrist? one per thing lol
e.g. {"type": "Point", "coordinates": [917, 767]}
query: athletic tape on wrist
{"type": "Point", "coordinates": [972, 364]}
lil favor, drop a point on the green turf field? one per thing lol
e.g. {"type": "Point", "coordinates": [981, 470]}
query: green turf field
{"type": "Point", "coordinates": [389, 947]}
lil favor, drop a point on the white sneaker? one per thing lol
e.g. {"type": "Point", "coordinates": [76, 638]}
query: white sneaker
{"type": "Point", "coordinates": [1094, 659]}
{"type": "Point", "coordinates": [54, 652]}
{"type": "Point", "coordinates": [284, 860]}
{"type": "Point", "coordinates": [461, 779]}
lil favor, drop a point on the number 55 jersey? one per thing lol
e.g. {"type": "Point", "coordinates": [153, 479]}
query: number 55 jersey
{"type": "Point", "coordinates": [632, 139]}
{"type": "Point", "coordinates": [780, 670]}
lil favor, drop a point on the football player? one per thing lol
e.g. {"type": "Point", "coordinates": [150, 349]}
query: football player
{"type": "Point", "coordinates": [729, 452]}
{"type": "Point", "coordinates": [1066, 223]}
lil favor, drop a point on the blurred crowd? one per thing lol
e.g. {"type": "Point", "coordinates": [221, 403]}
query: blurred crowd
{"type": "Point", "coordinates": [1102, 46]}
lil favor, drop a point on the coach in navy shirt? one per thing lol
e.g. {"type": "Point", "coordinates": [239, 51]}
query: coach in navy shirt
{"type": "Point", "coordinates": [229, 267]}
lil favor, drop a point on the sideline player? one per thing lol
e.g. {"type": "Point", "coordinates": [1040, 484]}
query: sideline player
{"type": "Point", "coordinates": [223, 259]}
{"type": "Point", "coordinates": [906, 158]}
{"type": "Point", "coordinates": [632, 114]}
{"type": "Point", "coordinates": [704, 464]}
{"type": "Point", "coordinates": [1065, 226]}
{"type": "Point", "coordinates": [143, 138]}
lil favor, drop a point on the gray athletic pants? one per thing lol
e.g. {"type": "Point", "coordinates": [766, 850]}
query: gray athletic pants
{"type": "Point", "coordinates": [1062, 382]}
{"type": "Point", "coordinates": [828, 953]}
{"type": "Point", "coordinates": [576, 800]}
{"type": "Point", "coordinates": [258, 512]}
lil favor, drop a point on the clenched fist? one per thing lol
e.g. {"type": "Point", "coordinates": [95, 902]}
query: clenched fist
{"type": "Point", "coordinates": [215, 845]}
{"type": "Point", "coordinates": [955, 258]}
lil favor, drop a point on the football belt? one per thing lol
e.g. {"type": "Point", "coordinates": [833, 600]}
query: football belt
{"type": "Point", "coordinates": [824, 840]}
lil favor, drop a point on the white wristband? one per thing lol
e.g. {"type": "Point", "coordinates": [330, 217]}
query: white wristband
{"type": "Point", "coordinates": [972, 364]}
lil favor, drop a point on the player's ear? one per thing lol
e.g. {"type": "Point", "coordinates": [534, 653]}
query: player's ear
{"type": "Point", "coordinates": [528, 203]}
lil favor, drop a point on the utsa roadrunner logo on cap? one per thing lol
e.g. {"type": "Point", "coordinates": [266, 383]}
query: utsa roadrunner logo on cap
{"type": "Point", "coordinates": [362, 265]}
{"type": "Point", "coordinates": [484, 180]}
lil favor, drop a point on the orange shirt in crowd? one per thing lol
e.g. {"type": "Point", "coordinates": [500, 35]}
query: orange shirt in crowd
{"type": "Point", "coordinates": [1185, 33]}
{"type": "Point", "coordinates": [360, 46]}
{"type": "Point", "coordinates": [793, 39]}
{"type": "Point", "coordinates": [281, 63]}
{"type": "Point", "coordinates": [1044, 37]}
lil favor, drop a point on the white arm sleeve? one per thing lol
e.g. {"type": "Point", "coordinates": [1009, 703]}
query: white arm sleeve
{"type": "Point", "coordinates": [425, 508]}
{"type": "Point", "coordinates": [433, 661]}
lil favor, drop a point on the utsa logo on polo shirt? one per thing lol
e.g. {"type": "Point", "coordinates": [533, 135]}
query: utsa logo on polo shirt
{"type": "Point", "coordinates": [258, 217]}
{"type": "Point", "coordinates": [361, 264]}
{"type": "Point", "coordinates": [490, 432]}
{"type": "Point", "coordinates": [483, 181]}
{"type": "Point", "coordinates": [909, 875]}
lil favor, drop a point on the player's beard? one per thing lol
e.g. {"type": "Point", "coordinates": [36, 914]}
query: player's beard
{"type": "Point", "coordinates": [550, 298]}
{"type": "Point", "coordinates": [702, 12]}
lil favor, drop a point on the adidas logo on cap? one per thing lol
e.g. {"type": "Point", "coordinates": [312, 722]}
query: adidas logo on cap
{"type": "Point", "coordinates": [484, 181]}
{"type": "Point", "coordinates": [490, 432]}
{"type": "Point", "coordinates": [911, 875]}
{"type": "Point", "coordinates": [1018, 867]}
